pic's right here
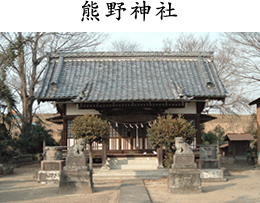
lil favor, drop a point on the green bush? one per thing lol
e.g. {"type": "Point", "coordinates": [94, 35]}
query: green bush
{"type": "Point", "coordinates": [212, 137]}
{"type": "Point", "coordinates": [209, 138]}
{"type": "Point", "coordinates": [92, 129]}
{"type": "Point", "coordinates": [164, 131]}
{"type": "Point", "coordinates": [6, 143]}
{"type": "Point", "coordinates": [32, 141]}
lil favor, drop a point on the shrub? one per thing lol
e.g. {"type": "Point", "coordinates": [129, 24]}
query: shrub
{"type": "Point", "coordinates": [92, 129]}
{"type": "Point", "coordinates": [212, 137]}
{"type": "Point", "coordinates": [32, 141]}
{"type": "Point", "coordinates": [6, 143]}
{"type": "Point", "coordinates": [164, 131]}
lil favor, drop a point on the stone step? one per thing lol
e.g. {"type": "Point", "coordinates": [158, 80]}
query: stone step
{"type": "Point", "coordinates": [133, 161]}
{"type": "Point", "coordinates": [134, 167]}
{"type": "Point", "coordinates": [114, 174]}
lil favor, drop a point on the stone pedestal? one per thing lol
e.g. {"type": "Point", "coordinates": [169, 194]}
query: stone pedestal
{"type": "Point", "coordinates": [212, 175]}
{"type": "Point", "coordinates": [76, 181]}
{"type": "Point", "coordinates": [49, 177]}
{"type": "Point", "coordinates": [52, 166]}
{"type": "Point", "coordinates": [184, 177]}
{"type": "Point", "coordinates": [81, 160]}
{"type": "Point", "coordinates": [182, 181]}
{"type": "Point", "coordinates": [50, 171]}
{"type": "Point", "coordinates": [184, 161]}
{"type": "Point", "coordinates": [76, 178]}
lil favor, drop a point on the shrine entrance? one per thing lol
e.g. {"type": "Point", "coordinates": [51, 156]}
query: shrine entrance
{"type": "Point", "coordinates": [125, 138]}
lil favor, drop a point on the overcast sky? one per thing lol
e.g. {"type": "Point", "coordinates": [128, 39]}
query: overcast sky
{"type": "Point", "coordinates": [63, 15]}
{"type": "Point", "coordinates": [150, 41]}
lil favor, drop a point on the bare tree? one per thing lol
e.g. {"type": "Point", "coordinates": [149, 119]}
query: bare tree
{"type": "Point", "coordinates": [25, 57]}
{"type": "Point", "coordinates": [224, 58]}
{"type": "Point", "coordinates": [125, 46]}
{"type": "Point", "coordinates": [189, 42]}
{"type": "Point", "coordinates": [247, 45]}
{"type": "Point", "coordinates": [225, 61]}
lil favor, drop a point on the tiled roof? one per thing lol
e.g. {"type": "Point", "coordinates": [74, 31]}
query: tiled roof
{"type": "Point", "coordinates": [239, 137]}
{"type": "Point", "coordinates": [137, 76]}
{"type": "Point", "coordinates": [256, 101]}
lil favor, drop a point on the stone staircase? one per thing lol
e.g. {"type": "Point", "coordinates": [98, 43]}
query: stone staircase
{"type": "Point", "coordinates": [133, 163]}
{"type": "Point", "coordinates": [123, 168]}
{"type": "Point", "coordinates": [115, 174]}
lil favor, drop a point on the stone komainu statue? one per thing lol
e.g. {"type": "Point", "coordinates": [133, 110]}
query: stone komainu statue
{"type": "Point", "coordinates": [78, 147]}
{"type": "Point", "coordinates": [182, 147]}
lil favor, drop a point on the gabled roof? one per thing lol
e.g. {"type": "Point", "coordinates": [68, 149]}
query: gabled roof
{"type": "Point", "coordinates": [136, 76]}
{"type": "Point", "coordinates": [256, 101]}
{"type": "Point", "coordinates": [238, 137]}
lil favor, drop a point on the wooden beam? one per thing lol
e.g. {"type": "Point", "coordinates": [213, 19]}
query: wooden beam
{"type": "Point", "coordinates": [104, 157]}
{"type": "Point", "coordinates": [258, 128]}
{"type": "Point", "coordinates": [64, 131]}
{"type": "Point", "coordinates": [198, 130]}
{"type": "Point", "coordinates": [160, 157]}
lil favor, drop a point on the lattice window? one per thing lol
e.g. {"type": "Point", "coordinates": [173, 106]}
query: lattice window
{"type": "Point", "coordinates": [113, 130]}
{"type": "Point", "coordinates": [125, 131]}
{"type": "Point", "coordinates": [69, 125]}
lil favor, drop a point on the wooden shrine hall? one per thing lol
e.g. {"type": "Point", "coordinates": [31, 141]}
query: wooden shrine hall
{"type": "Point", "coordinates": [130, 90]}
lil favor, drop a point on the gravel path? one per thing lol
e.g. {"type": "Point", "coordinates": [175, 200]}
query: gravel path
{"type": "Point", "coordinates": [242, 186]}
{"type": "Point", "coordinates": [21, 187]}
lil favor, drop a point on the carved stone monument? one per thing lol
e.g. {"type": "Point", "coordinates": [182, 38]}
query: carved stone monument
{"type": "Point", "coordinates": [209, 165]}
{"type": "Point", "coordinates": [184, 176]}
{"type": "Point", "coordinates": [52, 166]}
{"type": "Point", "coordinates": [76, 176]}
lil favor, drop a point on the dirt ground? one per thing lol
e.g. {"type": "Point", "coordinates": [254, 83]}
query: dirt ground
{"type": "Point", "coordinates": [242, 186]}
{"type": "Point", "coordinates": [22, 187]}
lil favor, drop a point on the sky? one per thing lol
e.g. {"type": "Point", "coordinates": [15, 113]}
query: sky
{"type": "Point", "coordinates": [150, 41]}
{"type": "Point", "coordinates": [192, 16]}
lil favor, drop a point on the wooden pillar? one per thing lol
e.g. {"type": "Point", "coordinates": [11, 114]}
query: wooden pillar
{"type": "Point", "coordinates": [104, 157]}
{"type": "Point", "coordinates": [65, 127]}
{"type": "Point", "coordinates": [257, 102]}
{"type": "Point", "coordinates": [160, 157]}
{"type": "Point", "coordinates": [258, 127]}
{"type": "Point", "coordinates": [198, 131]}
{"type": "Point", "coordinates": [64, 132]}
{"type": "Point", "coordinates": [200, 106]}
{"type": "Point", "coordinates": [258, 132]}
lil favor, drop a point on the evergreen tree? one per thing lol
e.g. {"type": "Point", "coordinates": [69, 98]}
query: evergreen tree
{"type": "Point", "coordinates": [92, 129]}
{"type": "Point", "coordinates": [164, 131]}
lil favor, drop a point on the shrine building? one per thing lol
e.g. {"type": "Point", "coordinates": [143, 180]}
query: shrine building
{"type": "Point", "coordinates": [130, 90]}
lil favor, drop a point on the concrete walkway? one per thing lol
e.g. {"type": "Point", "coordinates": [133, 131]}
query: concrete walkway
{"type": "Point", "coordinates": [133, 191]}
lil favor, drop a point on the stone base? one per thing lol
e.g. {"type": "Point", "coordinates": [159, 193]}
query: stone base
{"type": "Point", "coordinates": [208, 163]}
{"type": "Point", "coordinates": [80, 160]}
{"type": "Point", "coordinates": [56, 165]}
{"type": "Point", "coordinates": [76, 182]}
{"type": "Point", "coordinates": [49, 177]}
{"type": "Point", "coordinates": [184, 161]}
{"type": "Point", "coordinates": [212, 175]}
{"type": "Point", "coordinates": [183, 181]}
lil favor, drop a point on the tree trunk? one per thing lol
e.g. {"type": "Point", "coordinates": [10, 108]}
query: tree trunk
{"type": "Point", "coordinates": [90, 157]}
